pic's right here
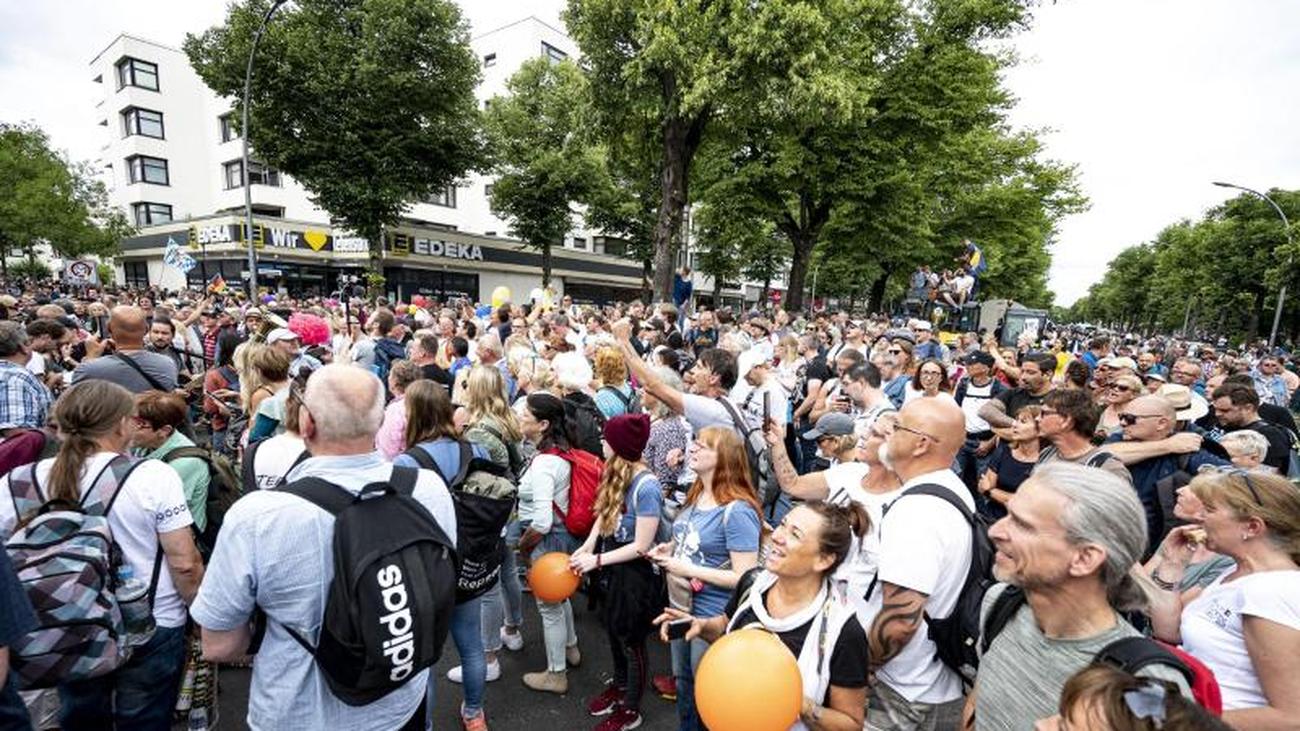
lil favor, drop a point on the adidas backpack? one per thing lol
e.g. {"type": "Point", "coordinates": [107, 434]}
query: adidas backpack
{"type": "Point", "coordinates": [388, 607]}
{"type": "Point", "coordinates": [584, 482]}
{"type": "Point", "coordinates": [484, 500]}
{"type": "Point", "coordinates": [67, 562]}
{"type": "Point", "coordinates": [223, 490]}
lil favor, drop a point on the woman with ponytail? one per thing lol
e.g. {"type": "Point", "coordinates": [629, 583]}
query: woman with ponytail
{"type": "Point", "coordinates": [544, 492]}
{"type": "Point", "coordinates": [149, 521]}
{"type": "Point", "coordinates": [793, 596]}
{"type": "Point", "coordinates": [628, 505]}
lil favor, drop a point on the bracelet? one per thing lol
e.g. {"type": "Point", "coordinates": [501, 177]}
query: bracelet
{"type": "Point", "coordinates": [1166, 585]}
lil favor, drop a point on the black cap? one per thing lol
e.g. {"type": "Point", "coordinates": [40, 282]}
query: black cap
{"type": "Point", "coordinates": [980, 357]}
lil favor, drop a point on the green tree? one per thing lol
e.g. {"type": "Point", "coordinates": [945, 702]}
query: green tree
{"type": "Point", "coordinates": [668, 69]}
{"type": "Point", "coordinates": [542, 154]}
{"type": "Point", "coordinates": [50, 200]}
{"type": "Point", "coordinates": [368, 103]}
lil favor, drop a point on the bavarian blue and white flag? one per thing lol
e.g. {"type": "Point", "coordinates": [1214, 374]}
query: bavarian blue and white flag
{"type": "Point", "coordinates": [187, 263]}
{"type": "Point", "coordinates": [172, 254]}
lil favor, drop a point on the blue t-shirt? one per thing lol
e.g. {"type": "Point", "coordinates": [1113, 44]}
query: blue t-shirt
{"type": "Point", "coordinates": [707, 538]}
{"type": "Point", "coordinates": [644, 499]}
{"type": "Point", "coordinates": [445, 453]}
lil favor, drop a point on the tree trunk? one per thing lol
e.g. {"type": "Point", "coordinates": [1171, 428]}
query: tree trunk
{"type": "Point", "coordinates": [853, 299]}
{"type": "Point", "coordinates": [647, 275]}
{"type": "Point", "coordinates": [681, 139]}
{"type": "Point", "coordinates": [546, 264]}
{"type": "Point", "coordinates": [1252, 327]}
{"type": "Point", "coordinates": [877, 295]}
{"type": "Point", "coordinates": [799, 258]}
{"type": "Point", "coordinates": [766, 296]}
{"type": "Point", "coordinates": [717, 292]}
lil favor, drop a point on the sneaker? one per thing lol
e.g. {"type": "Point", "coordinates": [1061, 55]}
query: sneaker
{"type": "Point", "coordinates": [604, 703]}
{"type": "Point", "coordinates": [473, 723]}
{"type": "Point", "coordinates": [573, 656]}
{"type": "Point", "coordinates": [513, 641]}
{"type": "Point", "coordinates": [455, 675]}
{"type": "Point", "coordinates": [622, 719]}
{"type": "Point", "coordinates": [665, 686]}
{"type": "Point", "coordinates": [548, 682]}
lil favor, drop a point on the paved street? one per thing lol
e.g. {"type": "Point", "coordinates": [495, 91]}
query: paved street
{"type": "Point", "coordinates": [510, 706]}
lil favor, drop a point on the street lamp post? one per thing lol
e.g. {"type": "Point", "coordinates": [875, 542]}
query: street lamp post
{"type": "Point", "coordinates": [244, 172]}
{"type": "Point", "coordinates": [1286, 225]}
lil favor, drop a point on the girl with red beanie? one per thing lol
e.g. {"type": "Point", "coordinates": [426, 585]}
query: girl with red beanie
{"type": "Point", "coordinates": [628, 505]}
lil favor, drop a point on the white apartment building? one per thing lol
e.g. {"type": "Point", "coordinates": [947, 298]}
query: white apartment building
{"type": "Point", "coordinates": [172, 161]}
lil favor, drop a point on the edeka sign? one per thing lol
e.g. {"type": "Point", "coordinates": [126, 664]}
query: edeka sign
{"type": "Point", "coordinates": [403, 245]}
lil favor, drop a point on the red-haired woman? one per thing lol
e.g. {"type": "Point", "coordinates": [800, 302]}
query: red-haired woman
{"type": "Point", "coordinates": [715, 541]}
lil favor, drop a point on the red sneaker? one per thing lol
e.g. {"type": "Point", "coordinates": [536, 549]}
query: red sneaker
{"type": "Point", "coordinates": [605, 702]}
{"type": "Point", "coordinates": [665, 686]}
{"type": "Point", "coordinates": [623, 719]}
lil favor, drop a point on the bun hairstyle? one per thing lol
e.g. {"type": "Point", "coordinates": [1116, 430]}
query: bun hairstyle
{"type": "Point", "coordinates": [841, 524]}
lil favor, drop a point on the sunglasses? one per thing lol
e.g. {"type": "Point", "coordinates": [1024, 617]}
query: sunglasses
{"type": "Point", "coordinates": [894, 351]}
{"type": "Point", "coordinates": [1122, 389]}
{"type": "Point", "coordinates": [1235, 472]}
{"type": "Point", "coordinates": [1131, 419]}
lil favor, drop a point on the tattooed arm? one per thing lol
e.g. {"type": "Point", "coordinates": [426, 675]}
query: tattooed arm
{"type": "Point", "coordinates": [899, 618]}
{"type": "Point", "coordinates": [805, 487]}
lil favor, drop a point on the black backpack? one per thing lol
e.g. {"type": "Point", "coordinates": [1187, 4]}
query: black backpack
{"type": "Point", "coordinates": [223, 490]}
{"type": "Point", "coordinates": [484, 498]}
{"type": "Point", "coordinates": [389, 605]}
{"type": "Point", "coordinates": [757, 453]}
{"type": "Point", "coordinates": [586, 423]}
{"type": "Point", "coordinates": [956, 636]}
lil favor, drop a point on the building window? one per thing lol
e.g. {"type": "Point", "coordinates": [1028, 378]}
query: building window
{"type": "Point", "coordinates": [487, 190]}
{"type": "Point", "coordinates": [579, 243]}
{"type": "Point", "coordinates": [445, 197]}
{"type": "Point", "coordinates": [554, 54]}
{"type": "Point", "coordinates": [226, 123]}
{"type": "Point", "coordinates": [258, 174]}
{"type": "Point", "coordinates": [149, 214]}
{"type": "Point", "coordinates": [610, 245]}
{"type": "Point", "coordinates": [144, 169]}
{"type": "Point", "coordinates": [490, 60]}
{"type": "Point", "coordinates": [136, 273]}
{"type": "Point", "coordinates": [143, 122]}
{"type": "Point", "coordinates": [134, 72]}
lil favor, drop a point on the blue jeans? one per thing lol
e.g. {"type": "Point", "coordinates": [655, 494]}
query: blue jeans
{"type": "Point", "coordinates": [686, 659]}
{"type": "Point", "coordinates": [13, 712]}
{"type": "Point", "coordinates": [503, 603]}
{"type": "Point", "coordinates": [140, 695]}
{"type": "Point", "coordinates": [465, 621]}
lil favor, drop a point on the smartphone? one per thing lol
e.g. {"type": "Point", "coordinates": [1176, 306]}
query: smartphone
{"type": "Point", "coordinates": [767, 407]}
{"type": "Point", "coordinates": [101, 325]}
{"type": "Point", "coordinates": [678, 627]}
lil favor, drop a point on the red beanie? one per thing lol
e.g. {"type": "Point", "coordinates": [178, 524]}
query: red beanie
{"type": "Point", "coordinates": [627, 435]}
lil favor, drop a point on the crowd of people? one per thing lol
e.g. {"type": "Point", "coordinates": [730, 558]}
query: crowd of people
{"type": "Point", "coordinates": [944, 535]}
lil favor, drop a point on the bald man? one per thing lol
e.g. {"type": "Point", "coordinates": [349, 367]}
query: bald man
{"type": "Point", "coordinates": [1160, 458]}
{"type": "Point", "coordinates": [122, 359]}
{"type": "Point", "coordinates": [925, 554]}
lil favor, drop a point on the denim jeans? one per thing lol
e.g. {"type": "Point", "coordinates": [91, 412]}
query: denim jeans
{"type": "Point", "coordinates": [503, 603]}
{"type": "Point", "coordinates": [465, 632]}
{"type": "Point", "coordinates": [13, 712]}
{"type": "Point", "coordinates": [140, 695]}
{"type": "Point", "coordinates": [686, 659]}
{"type": "Point", "coordinates": [558, 629]}
{"type": "Point", "coordinates": [969, 466]}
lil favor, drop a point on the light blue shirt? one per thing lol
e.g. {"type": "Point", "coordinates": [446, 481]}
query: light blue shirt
{"type": "Point", "coordinates": [275, 553]}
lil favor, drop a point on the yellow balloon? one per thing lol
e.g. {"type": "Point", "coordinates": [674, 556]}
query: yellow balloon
{"type": "Point", "coordinates": [500, 296]}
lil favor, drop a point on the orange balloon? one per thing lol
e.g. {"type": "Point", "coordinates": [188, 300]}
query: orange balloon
{"type": "Point", "coordinates": [551, 579]}
{"type": "Point", "coordinates": [748, 681]}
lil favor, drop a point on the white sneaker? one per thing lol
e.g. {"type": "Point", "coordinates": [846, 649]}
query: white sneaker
{"type": "Point", "coordinates": [514, 641]}
{"type": "Point", "coordinates": [493, 673]}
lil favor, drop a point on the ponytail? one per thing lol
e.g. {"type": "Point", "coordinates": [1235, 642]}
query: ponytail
{"type": "Point", "coordinates": [841, 523]}
{"type": "Point", "coordinates": [85, 414]}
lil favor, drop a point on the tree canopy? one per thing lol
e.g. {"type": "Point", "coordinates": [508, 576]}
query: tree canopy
{"type": "Point", "coordinates": [368, 103]}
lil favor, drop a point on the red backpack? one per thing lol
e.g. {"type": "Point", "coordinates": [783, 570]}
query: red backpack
{"type": "Point", "coordinates": [585, 469]}
{"type": "Point", "coordinates": [1131, 654]}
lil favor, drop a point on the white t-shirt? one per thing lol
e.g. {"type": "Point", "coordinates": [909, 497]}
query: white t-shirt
{"type": "Point", "coordinates": [779, 402]}
{"type": "Point", "coordinates": [152, 501]}
{"type": "Point", "coordinates": [36, 364]}
{"type": "Point", "coordinates": [844, 484]}
{"type": "Point", "coordinates": [703, 411]}
{"type": "Point", "coordinates": [924, 546]}
{"type": "Point", "coordinates": [911, 394]}
{"type": "Point", "coordinates": [1212, 628]}
{"type": "Point", "coordinates": [274, 458]}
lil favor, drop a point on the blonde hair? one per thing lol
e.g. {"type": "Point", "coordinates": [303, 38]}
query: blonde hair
{"type": "Point", "coordinates": [788, 349]}
{"type": "Point", "coordinates": [609, 366]}
{"type": "Point", "coordinates": [1278, 505]}
{"type": "Point", "coordinates": [615, 481]}
{"type": "Point", "coordinates": [485, 400]}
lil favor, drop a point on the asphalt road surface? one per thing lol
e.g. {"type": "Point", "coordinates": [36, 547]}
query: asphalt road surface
{"type": "Point", "coordinates": [510, 705]}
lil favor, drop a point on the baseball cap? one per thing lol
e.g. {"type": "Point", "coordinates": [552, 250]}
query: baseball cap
{"type": "Point", "coordinates": [923, 325]}
{"type": "Point", "coordinates": [831, 424]}
{"type": "Point", "coordinates": [280, 333]}
{"type": "Point", "coordinates": [980, 357]}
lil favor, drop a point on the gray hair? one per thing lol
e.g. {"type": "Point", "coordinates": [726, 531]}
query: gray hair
{"type": "Point", "coordinates": [671, 379]}
{"type": "Point", "coordinates": [489, 343]}
{"type": "Point", "coordinates": [572, 371]}
{"type": "Point", "coordinates": [1245, 441]}
{"type": "Point", "coordinates": [346, 402]}
{"type": "Point", "coordinates": [12, 338]}
{"type": "Point", "coordinates": [1104, 510]}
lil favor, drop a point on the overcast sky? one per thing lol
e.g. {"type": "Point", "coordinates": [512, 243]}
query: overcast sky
{"type": "Point", "coordinates": [1152, 99]}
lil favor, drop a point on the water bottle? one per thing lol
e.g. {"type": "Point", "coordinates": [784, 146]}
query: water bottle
{"type": "Point", "coordinates": [199, 719]}
{"type": "Point", "coordinates": [133, 601]}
